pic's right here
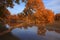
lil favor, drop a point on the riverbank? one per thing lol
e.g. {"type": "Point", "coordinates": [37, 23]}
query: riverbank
{"type": "Point", "coordinates": [8, 36]}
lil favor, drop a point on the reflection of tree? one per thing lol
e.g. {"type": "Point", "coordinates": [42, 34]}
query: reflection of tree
{"type": "Point", "coordinates": [41, 30]}
{"type": "Point", "coordinates": [57, 30]}
{"type": "Point", "coordinates": [54, 27]}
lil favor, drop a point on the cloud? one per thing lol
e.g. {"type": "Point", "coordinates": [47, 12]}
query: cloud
{"type": "Point", "coordinates": [52, 4]}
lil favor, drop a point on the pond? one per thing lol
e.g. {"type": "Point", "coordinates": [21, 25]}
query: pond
{"type": "Point", "coordinates": [35, 33]}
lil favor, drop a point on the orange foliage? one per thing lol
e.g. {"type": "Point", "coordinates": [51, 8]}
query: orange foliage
{"type": "Point", "coordinates": [34, 13]}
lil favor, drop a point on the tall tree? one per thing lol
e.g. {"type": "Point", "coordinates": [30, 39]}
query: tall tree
{"type": "Point", "coordinates": [37, 8]}
{"type": "Point", "coordinates": [33, 5]}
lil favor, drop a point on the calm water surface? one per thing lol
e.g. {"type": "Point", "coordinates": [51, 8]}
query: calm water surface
{"type": "Point", "coordinates": [34, 33]}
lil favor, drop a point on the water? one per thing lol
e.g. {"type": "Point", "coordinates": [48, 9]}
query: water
{"type": "Point", "coordinates": [35, 33]}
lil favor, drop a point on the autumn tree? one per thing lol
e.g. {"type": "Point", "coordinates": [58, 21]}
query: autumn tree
{"type": "Point", "coordinates": [33, 5]}
{"type": "Point", "coordinates": [34, 11]}
{"type": "Point", "coordinates": [41, 14]}
{"type": "Point", "coordinates": [4, 12]}
{"type": "Point", "coordinates": [8, 3]}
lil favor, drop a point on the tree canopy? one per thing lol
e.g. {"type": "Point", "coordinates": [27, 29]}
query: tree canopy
{"type": "Point", "coordinates": [8, 3]}
{"type": "Point", "coordinates": [33, 14]}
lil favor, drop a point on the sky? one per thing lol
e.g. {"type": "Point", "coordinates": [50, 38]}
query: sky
{"type": "Point", "coordinates": [53, 5]}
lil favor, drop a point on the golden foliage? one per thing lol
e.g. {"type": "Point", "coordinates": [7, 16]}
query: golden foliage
{"type": "Point", "coordinates": [34, 14]}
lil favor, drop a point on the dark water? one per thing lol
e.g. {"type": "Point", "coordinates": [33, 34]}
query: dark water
{"type": "Point", "coordinates": [35, 33]}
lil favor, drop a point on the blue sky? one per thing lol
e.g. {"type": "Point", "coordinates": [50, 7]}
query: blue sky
{"type": "Point", "coordinates": [53, 5]}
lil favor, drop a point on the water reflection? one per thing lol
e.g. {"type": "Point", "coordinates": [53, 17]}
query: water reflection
{"type": "Point", "coordinates": [36, 33]}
